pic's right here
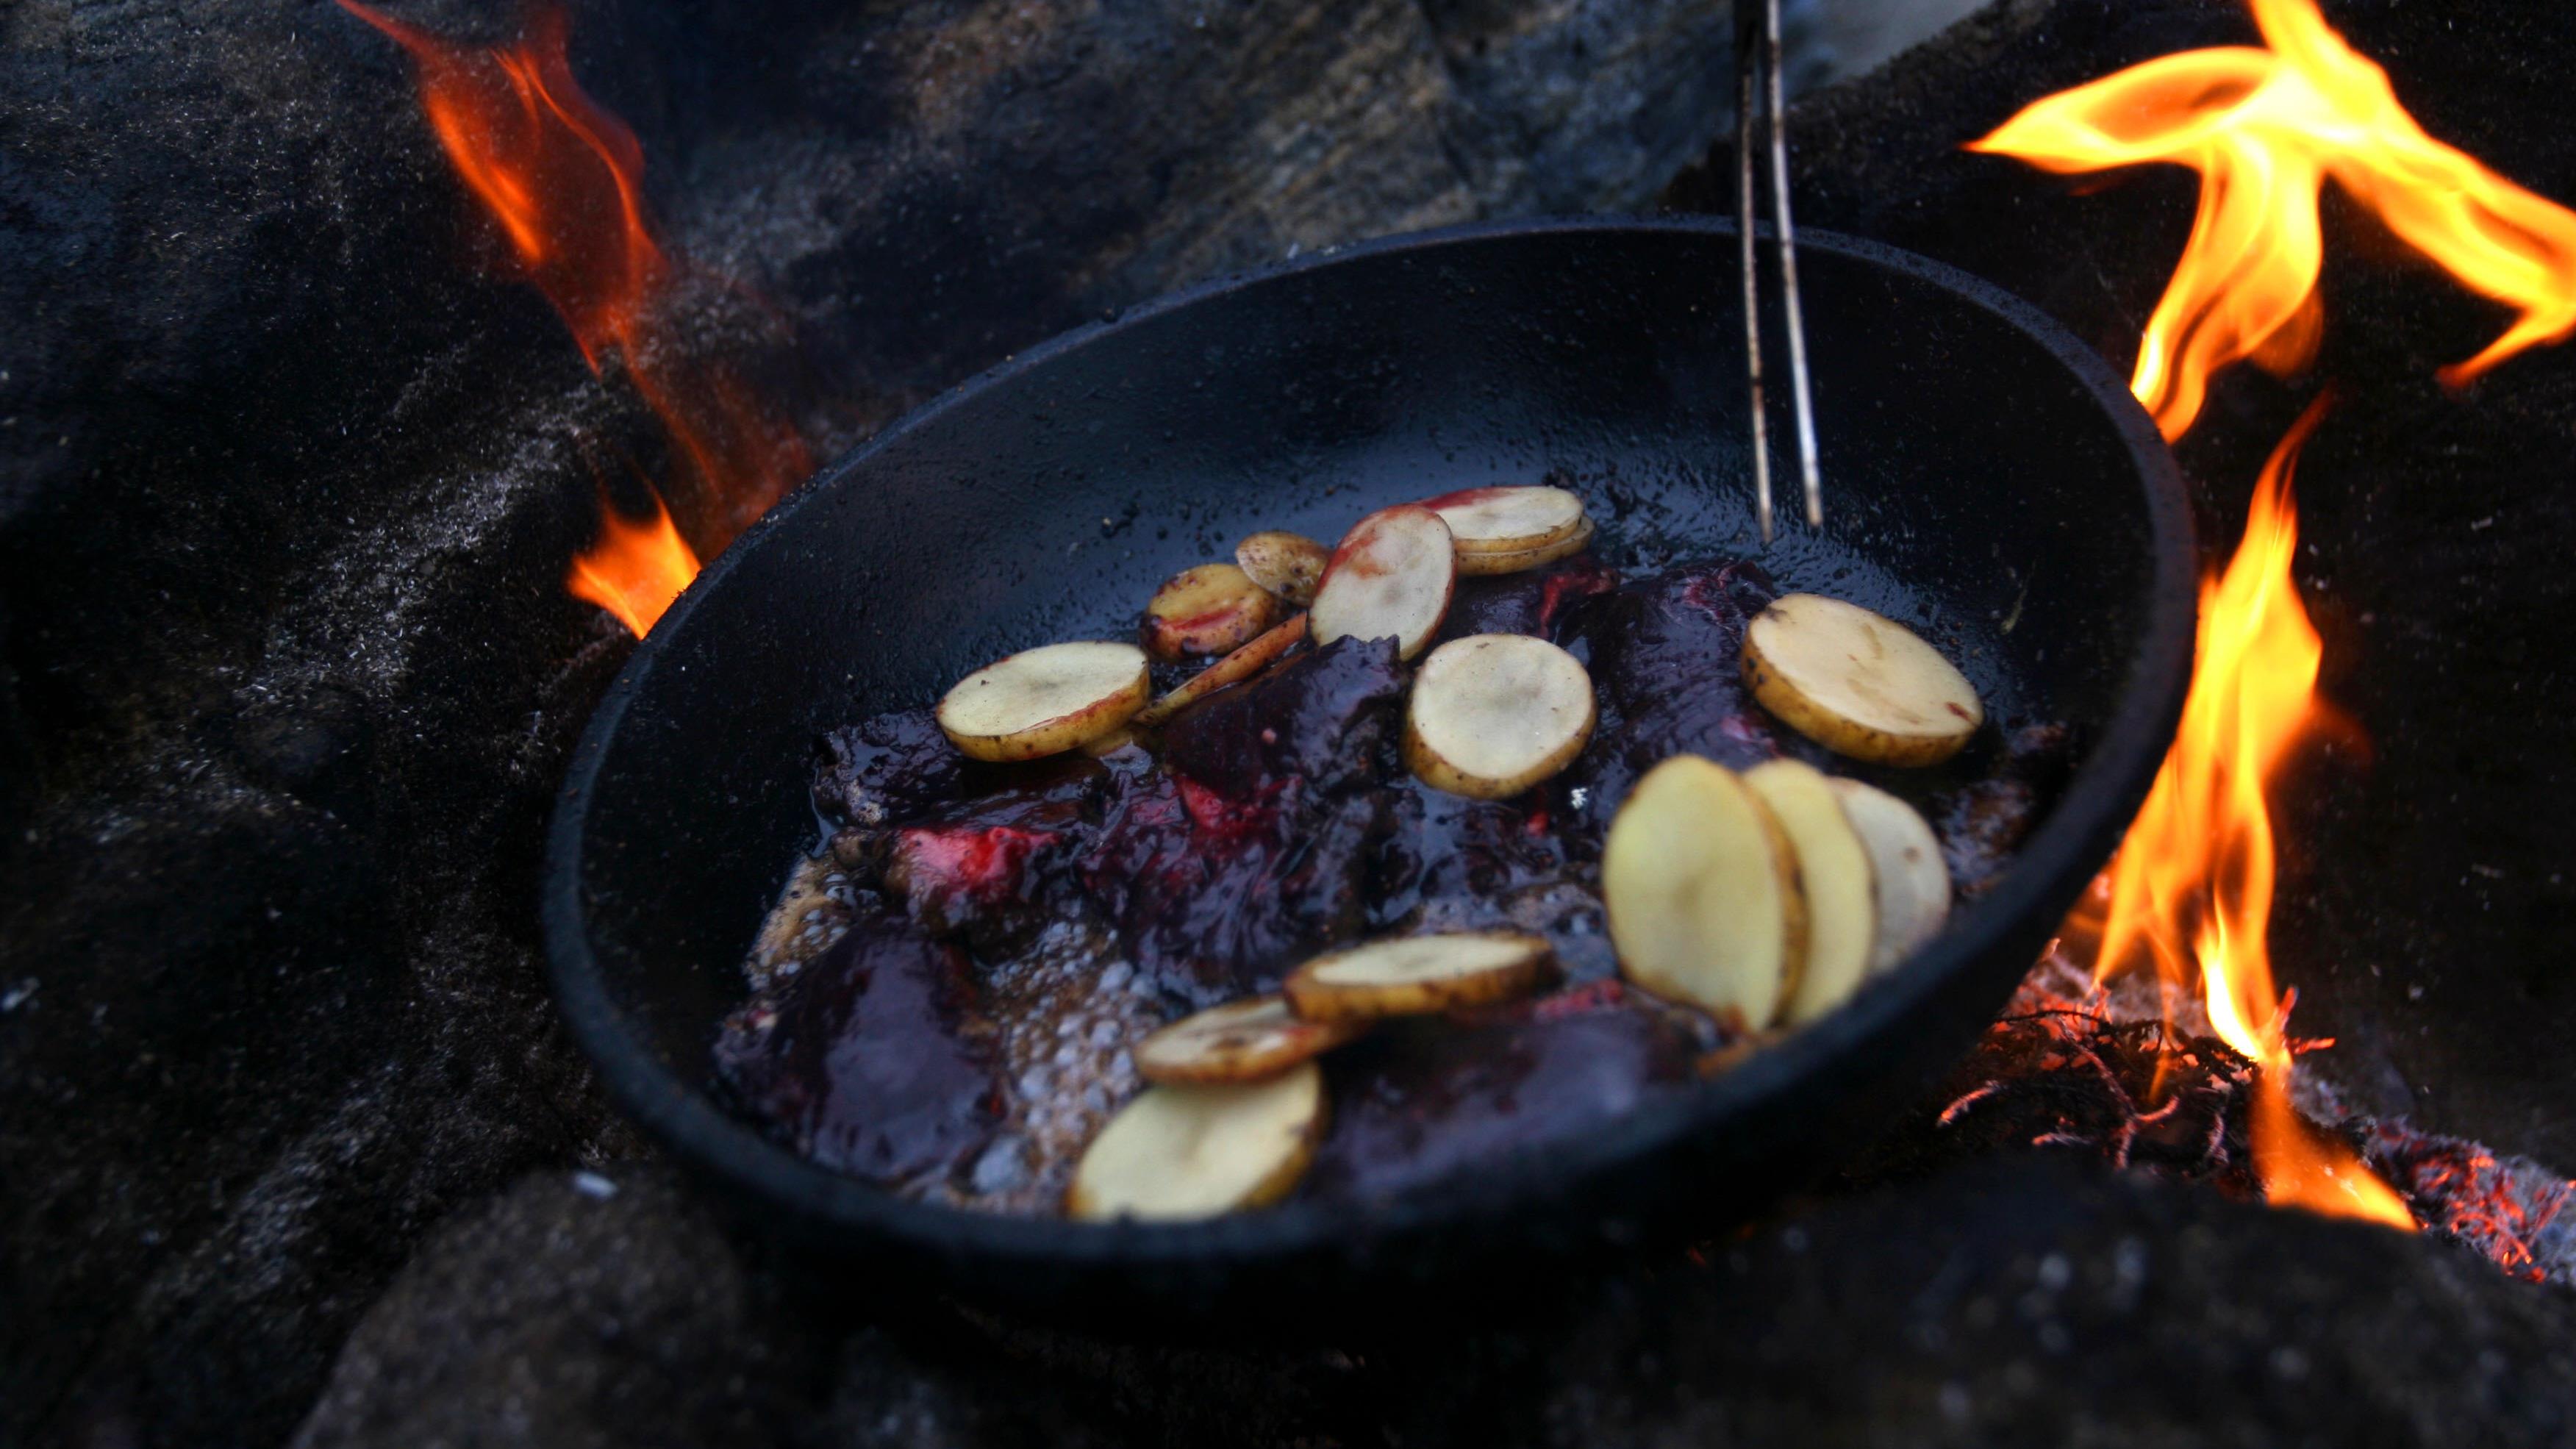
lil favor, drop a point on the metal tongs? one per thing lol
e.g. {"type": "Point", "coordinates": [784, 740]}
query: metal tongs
{"type": "Point", "coordinates": [1757, 81]}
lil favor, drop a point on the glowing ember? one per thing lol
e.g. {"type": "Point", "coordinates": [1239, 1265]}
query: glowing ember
{"type": "Point", "coordinates": [2191, 889]}
{"type": "Point", "coordinates": [2266, 128]}
{"type": "Point", "coordinates": [562, 178]}
{"type": "Point", "coordinates": [636, 569]}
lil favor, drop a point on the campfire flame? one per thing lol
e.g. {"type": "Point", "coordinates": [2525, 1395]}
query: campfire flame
{"type": "Point", "coordinates": [562, 178]}
{"type": "Point", "coordinates": [2266, 128]}
{"type": "Point", "coordinates": [636, 569]}
{"type": "Point", "coordinates": [2191, 889]}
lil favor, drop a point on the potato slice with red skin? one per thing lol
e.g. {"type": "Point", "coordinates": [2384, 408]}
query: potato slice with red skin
{"type": "Point", "coordinates": [1703, 894]}
{"type": "Point", "coordinates": [1391, 577]}
{"type": "Point", "coordinates": [1910, 883]}
{"type": "Point", "coordinates": [1492, 715]}
{"type": "Point", "coordinates": [1858, 683]}
{"type": "Point", "coordinates": [1508, 519]}
{"type": "Point", "coordinates": [1484, 565]}
{"type": "Point", "coordinates": [1194, 1151]}
{"type": "Point", "coordinates": [1045, 701]}
{"type": "Point", "coordinates": [1417, 975]}
{"type": "Point", "coordinates": [1834, 871]}
{"type": "Point", "coordinates": [1207, 609]}
{"type": "Point", "coordinates": [1234, 668]}
{"type": "Point", "coordinates": [1241, 1041]}
{"type": "Point", "coordinates": [1287, 564]}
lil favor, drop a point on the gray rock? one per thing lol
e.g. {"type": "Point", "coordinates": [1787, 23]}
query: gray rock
{"type": "Point", "coordinates": [289, 473]}
{"type": "Point", "coordinates": [2026, 1298]}
{"type": "Point", "coordinates": [594, 1310]}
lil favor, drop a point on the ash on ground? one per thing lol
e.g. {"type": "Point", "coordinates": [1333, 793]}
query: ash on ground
{"type": "Point", "coordinates": [2131, 1071]}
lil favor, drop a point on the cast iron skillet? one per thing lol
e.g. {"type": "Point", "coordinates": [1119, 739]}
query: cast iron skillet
{"type": "Point", "coordinates": [1982, 465]}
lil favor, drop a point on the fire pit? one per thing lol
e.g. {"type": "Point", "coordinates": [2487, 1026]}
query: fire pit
{"type": "Point", "coordinates": [302, 478]}
{"type": "Point", "coordinates": [1279, 398]}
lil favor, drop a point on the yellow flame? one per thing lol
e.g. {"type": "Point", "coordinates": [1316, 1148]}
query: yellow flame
{"type": "Point", "coordinates": [563, 179]}
{"type": "Point", "coordinates": [635, 569]}
{"type": "Point", "coordinates": [2191, 889]}
{"type": "Point", "coordinates": [2266, 128]}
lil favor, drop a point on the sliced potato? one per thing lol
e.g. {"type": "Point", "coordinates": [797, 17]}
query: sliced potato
{"type": "Point", "coordinates": [1208, 609]}
{"type": "Point", "coordinates": [1045, 701]}
{"type": "Point", "coordinates": [1417, 975]}
{"type": "Point", "coordinates": [1703, 894]}
{"type": "Point", "coordinates": [1477, 565]}
{"type": "Point", "coordinates": [1911, 883]}
{"type": "Point", "coordinates": [1857, 683]}
{"type": "Point", "coordinates": [1391, 577]}
{"type": "Point", "coordinates": [1234, 668]}
{"type": "Point", "coordinates": [1834, 872]}
{"type": "Point", "coordinates": [1493, 714]}
{"type": "Point", "coordinates": [1508, 519]}
{"type": "Point", "coordinates": [1180, 1152]}
{"type": "Point", "coordinates": [1241, 1041]}
{"type": "Point", "coordinates": [1287, 564]}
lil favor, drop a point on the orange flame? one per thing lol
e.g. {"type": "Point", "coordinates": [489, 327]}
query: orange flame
{"type": "Point", "coordinates": [2266, 128]}
{"type": "Point", "coordinates": [636, 569]}
{"type": "Point", "coordinates": [562, 178]}
{"type": "Point", "coordinates": [2192, 884]}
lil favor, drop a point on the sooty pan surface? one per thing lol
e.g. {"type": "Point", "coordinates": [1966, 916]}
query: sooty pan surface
{"type": "Point", "coordinates": [1981, 467]}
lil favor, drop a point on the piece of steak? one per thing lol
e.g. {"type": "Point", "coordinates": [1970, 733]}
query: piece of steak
{"type": "Point", "coordinates": [1448, 863]}
{"type": "Point", "coordinates": [1531, 602]}
{"type": "Point", "coordinates": [1249, 849]}
{"type": "Point", "coordinates": [988, 868]}
{"type": "Point", "coordinates": [870, 1060]}
{"type": "Point", "coordinates": [1417, 1101]}
{"type": "Point", "coordinates": [1663, 653]}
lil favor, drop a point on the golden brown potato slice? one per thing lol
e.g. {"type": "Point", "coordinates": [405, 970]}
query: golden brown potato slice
{"type": "Point", "coordinates": [1208, 609]}
{"type": "Point", "coordinates": [1287, 564]}
{"type": "Point", "coordinates": [1477, 565]}
{"type": "Point", "coordinates": [1234, 668]}
{"type": "Point", "coordinates": [1390, 578]}
{"type": "Point", "coordinates": [1493, 714]}
{"type": "Point", "coordinates": [1910, 882]}
{"type": "Point", "coordinates": [1857, 683]}
{"type": "Point", "coordinates": [1416, 975]}
{"type": "Point", "coordinates": [1179, 1152]}
{"type": "Point", "coordinates": [1241, 1041]}
{"type": "Point", "coordinates": [1703, 894]}
{"type": "Point", "coordinates": [1508, 520]}
{"type": "Point", "coordinates": [1045, 701]}
{"type": "Point", "coordinates": [1834, 872]}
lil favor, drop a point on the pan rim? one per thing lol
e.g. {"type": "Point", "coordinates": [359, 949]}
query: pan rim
{"type": "Point", "coordinates": [2076, 834]}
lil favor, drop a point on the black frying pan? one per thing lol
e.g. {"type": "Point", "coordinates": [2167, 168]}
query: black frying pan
{"type": "Point", "coordinates": [1978, 460]}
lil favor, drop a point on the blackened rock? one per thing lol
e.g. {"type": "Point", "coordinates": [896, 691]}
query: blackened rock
{"type": "Point", "coordinates": [573, 1309]}
{"type": "Point", "coordinates": [2044, 1299]}
{"type": "Point", "coordinates": [866, 1060]}
{"type": "Point", "coordinates": [315, 744]}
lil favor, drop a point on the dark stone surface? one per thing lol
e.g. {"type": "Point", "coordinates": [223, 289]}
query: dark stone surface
{"type": "Point", "coordinates": [2022, 1299]}
{"type": "Point", "coordinates": [568, 1311]}
{"type": "Point", "coordinates": [289, 473]}
{"type": "Point", "coordinates": [2429, 899]}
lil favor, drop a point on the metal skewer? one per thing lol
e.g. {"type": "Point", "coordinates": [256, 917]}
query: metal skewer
{"type": "Point", "coordinates": [1757, 76]}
